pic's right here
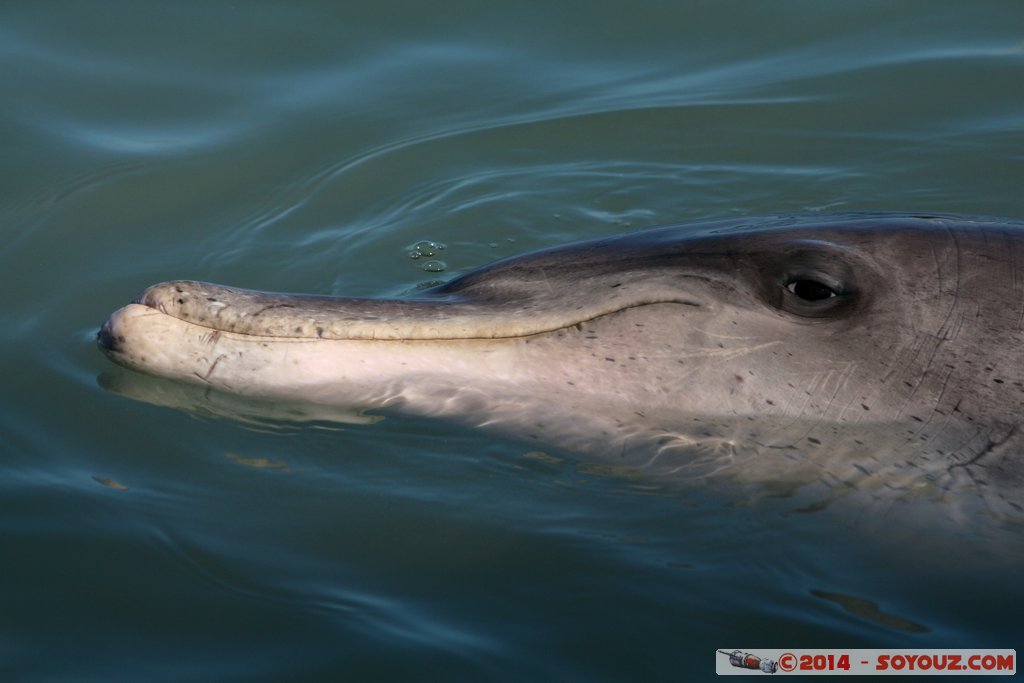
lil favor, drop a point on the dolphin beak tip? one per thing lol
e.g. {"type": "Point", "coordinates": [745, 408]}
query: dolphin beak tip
{"type": "Point", "coordinates": [106, 339]}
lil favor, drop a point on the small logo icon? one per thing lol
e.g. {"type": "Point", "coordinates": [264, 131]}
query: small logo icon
{"type": "Point", "coordinates": [744, 660]}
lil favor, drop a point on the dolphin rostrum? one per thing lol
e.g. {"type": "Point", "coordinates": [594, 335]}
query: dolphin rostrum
{"type": "Point", "coordinates": [858, 349]}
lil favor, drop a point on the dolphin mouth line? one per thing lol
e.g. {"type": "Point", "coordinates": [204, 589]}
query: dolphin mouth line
{"type": "Point", "coordinates": [304, 317]}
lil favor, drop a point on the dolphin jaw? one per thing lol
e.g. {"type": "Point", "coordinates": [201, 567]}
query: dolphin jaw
{"type": "Point", "coordinates": [286, 316]}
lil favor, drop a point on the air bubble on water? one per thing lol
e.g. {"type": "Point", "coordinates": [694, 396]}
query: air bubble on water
{"type": "Point", "coordinates": [434, 266]}
{"type": "Point", "coordinates": [425, 248]}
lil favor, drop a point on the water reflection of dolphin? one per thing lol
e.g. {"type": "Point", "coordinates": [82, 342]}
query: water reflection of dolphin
{"type": "Point", "coordinates": [856, 349]}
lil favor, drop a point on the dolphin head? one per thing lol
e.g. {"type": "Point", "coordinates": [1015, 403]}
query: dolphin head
{"type": "Point", "coordinates": [867, 347]}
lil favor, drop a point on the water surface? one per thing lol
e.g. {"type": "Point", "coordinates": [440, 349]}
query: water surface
{"type": "Point", "coordinates": [307, 146]}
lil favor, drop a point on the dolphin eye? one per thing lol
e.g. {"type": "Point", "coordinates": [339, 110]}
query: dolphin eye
{"type": "Point", "coordinates": [811, 290]}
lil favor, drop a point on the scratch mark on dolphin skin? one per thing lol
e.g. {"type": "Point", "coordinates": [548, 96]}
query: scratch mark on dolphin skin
{"type": "Point", "coordinates": [993, 446]}
{"type": "Point", "coordinates": [271, 306]}
{"type": "Point", "coordinates": [728, 354]}
{"type": "Point", "coordinates": [213, 365]}
{"type": "Point", "coordinates": [730, 337]}
{"type": "Point", "coordinates": [547, 281]}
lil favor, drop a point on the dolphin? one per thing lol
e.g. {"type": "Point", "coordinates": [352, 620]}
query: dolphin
{"type": "Point", "coordinates": [881, 351]}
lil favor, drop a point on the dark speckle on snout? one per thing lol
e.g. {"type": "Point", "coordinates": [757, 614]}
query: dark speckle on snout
{"type": "Point", "coordinates": [106, 339]}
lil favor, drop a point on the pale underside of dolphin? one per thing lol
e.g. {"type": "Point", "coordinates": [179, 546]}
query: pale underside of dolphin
{"type": "Point", "coordinates": [878, 350]}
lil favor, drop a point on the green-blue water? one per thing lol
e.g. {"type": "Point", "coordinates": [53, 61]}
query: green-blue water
{"type": "Point", "coordinates": [306, 146]}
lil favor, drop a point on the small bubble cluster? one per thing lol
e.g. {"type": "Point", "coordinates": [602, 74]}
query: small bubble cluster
{"type": "Point", "coordinates": [426, 249]}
